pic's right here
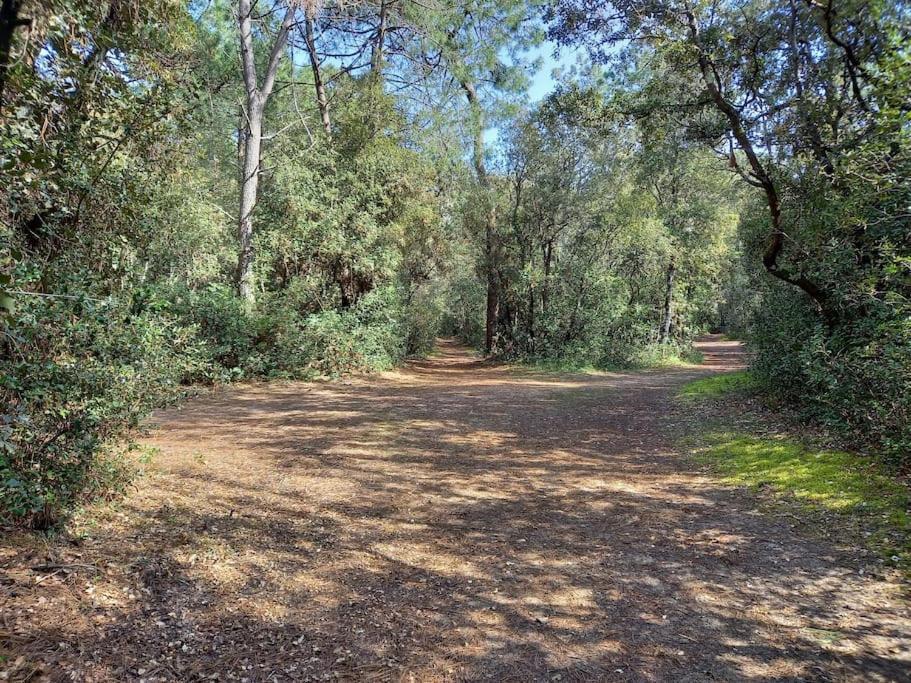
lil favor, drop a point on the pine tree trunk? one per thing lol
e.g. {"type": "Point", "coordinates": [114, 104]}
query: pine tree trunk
{"type": "Point", "coordinates": [665, 335]}
{"type": "Point", "coordinates": [493, 294]}
{"type": "Point", "coordinates": [322, 99]}
{"type": "Point", "coordinates": [248, 192]}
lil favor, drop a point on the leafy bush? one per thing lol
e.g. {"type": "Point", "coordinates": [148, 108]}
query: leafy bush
{"type": "Point", "coordinates": [854, 378]}
{"type": "Point", "coordinates": [77, 375]}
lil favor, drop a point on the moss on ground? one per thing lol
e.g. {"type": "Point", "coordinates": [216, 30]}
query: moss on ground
{"type": "Point", "coordinates": [852, 486]}
{"type": "Point", "coordinates": [718, 385]}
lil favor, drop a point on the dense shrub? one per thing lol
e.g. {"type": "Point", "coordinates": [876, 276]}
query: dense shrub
{"type": "Point", "coordinates": [854, 378]}
{"type": "Point", "coordinates": [365, 337]}
{"type": "Point", "coordinates": [77, 374]}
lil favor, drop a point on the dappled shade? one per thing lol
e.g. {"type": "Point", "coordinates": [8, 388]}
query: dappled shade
{"type": "Point", "coordinates": [456, 520]}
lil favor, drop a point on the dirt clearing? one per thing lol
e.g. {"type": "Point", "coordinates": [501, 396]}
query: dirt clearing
{"type": "Point", "coordinates": [451, 521]}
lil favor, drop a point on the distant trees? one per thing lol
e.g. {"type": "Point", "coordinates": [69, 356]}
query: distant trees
{"type": "Point", "coordinates": [795, 81]}
{"type": "Point", "coordinates": [602, 221]}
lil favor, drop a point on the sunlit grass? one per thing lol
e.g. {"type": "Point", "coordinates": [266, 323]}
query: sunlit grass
{"type": "Point", "coordinates": [719, 385]}
{"type": "Point", "coordinates": [651, 356]}
{"type": "Point", "coordinates": [665, 356]}
{"type": "Point", "coordinates": [826, 480]}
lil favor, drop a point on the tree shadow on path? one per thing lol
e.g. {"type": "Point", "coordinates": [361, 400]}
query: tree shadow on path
{"type": "Point", "coordinates": [457, 520]}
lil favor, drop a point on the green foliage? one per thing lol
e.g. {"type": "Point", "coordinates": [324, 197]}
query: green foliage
{"type": "Point", "coordinates": [853, 379]}
{"type": "Point", "coordinates": [604, 228]}
{"type": "Point", "coordinates": [117, 242]}
{"type": "Point", "coordinates": [809, 103]}
{"type": "Point", "coordinates": [849, 485]}
{"type": "Point", "coordinates": [608, 235]}
{"type": "Point", "coordinates": [69, 396]}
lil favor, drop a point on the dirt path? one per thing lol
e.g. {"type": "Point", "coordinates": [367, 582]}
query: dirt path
{"type": "Point", "coordinates": [451, 521]}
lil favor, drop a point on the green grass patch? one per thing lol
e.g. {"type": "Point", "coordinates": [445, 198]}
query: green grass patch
{"type": "Point", "coordinates": [719, 385]}
{"type": "Point", "coordinates": [846, 484]}
{"type": "Point", "coordinates": [665, 356]}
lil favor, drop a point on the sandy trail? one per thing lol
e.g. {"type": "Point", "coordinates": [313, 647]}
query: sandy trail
{"type": "Point", "coordinates": [454, 520]}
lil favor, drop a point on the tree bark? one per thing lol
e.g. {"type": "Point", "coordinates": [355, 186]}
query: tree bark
{"type": "Point", "coordinates": [322, 99]}
{"type": "Point", "coordinates": [248, 193]}
{"type": "Point", "coordinates": [376, 54]}
{"type": "Point", "coordinates": [257, 95]}
{"type": "Point", "coordinates": [493, 294]}
{"type": "Point", "coordinates": [665, 333]}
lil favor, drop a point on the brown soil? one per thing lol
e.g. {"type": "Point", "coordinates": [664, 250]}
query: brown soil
{"type": "Point", "coordinates": [454, 520]}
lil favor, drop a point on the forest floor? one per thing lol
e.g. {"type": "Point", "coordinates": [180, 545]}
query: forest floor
{"type": "Point", "coordinates": [453, 520]}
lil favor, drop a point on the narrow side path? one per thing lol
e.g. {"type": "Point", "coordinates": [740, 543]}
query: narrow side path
{"type": "Point", "coordinates": [454, 520]}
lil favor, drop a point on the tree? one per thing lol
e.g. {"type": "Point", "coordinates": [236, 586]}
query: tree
{"type": "Point", "coordinates": [474, 35]}
{"type": "Point", "coordinates": [772, 73]}
{"type": "Point", "coordinates": [808, 104]}
{"type": "Point", "coordinates": [257, 92]}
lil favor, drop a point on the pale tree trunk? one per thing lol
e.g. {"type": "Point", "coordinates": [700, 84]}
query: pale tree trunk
{"type": "Point", "coordinates": [665, 335]}
{"type": "Point", "coordinates": [256, 97]}
{"type": "Point", "coordinates": [248, 190]}
{"type": "Point", "coordinates": [493, 290]}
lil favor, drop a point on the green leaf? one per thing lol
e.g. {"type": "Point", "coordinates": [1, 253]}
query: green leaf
{"type": "Point", "coordinates": [7, 303]}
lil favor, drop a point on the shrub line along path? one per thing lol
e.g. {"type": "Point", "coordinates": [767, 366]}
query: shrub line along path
{"type": "Point", "coordinates": [453, 520]}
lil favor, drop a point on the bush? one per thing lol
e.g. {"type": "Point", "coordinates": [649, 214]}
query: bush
{"type": "Point", "coordinates": [854, 377]}
{"type": "Point", "coordinates": [226, 331]}
{"type": "Point", "coordinates": [78, 374]}
{"type": "Point", "coordinates": [367, 337]}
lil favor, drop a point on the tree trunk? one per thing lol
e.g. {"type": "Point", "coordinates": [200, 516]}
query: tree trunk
{"type": "Point", "coordinates": [665, 334]}
{"type": "Point", "coordinates": [256, 97]}
{"type": "Point", "coordinates": [376, 54]}
{"type": "Point", "coordinates": [493, 295]}
{"type": "Point", "coordinates": [531, 318]}
{"type": "Point", "coordinates": [548, 261]}
{"type": "Point", "coordinates": [248, 192]}
{"type": "Point", "coordinates": [322, 100]}
{"type": "Point", "coordinates": [759, 177]}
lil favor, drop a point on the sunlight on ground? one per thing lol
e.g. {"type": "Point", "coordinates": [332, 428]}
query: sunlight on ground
{"type": "Point", "coordinates": [718, 385]}
{"type": "Point", "coordinates": [832, 481]}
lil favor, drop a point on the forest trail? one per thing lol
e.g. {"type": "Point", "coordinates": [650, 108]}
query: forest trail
{"type": "Point", "coordinates": [453, 520]}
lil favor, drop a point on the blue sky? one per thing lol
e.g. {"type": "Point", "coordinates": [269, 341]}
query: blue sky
{"type": "Point", "coordinates": [543, 82]}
